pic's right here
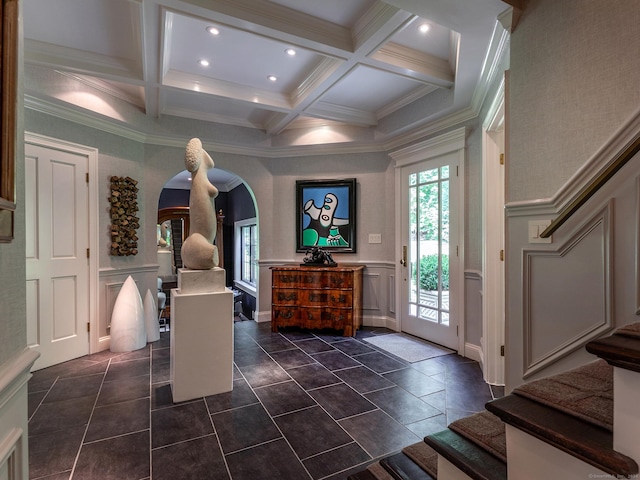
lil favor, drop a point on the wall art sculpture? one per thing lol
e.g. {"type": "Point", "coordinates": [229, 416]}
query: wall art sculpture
{"type": "Point", "coordinates": [124, 216]}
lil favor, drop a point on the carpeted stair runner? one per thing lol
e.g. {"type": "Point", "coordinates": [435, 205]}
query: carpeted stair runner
{"type": "Point", "coordinates": [379, 472]}
{"type": "Point", "coordinates": [485, 430]}
{"type": "Point", "coordinates": [585, 392]}
{"type": "Point", "coordinates": [424, 456]}
{"type": "Point", "coordinates": [632, 330]}
{"type": "Point", "coordinates": [401, 467]}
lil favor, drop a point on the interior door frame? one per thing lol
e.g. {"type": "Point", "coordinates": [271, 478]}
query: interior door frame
{"type": "Point", "coordinates": [493, 225]}
{"type": "Point", "coordinates": [447, 143]}
{"type": "Point", "coordinates": [96, 343]}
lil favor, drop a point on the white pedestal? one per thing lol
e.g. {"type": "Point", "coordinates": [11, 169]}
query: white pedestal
{"type": "Point", "coordinates": [165, 268]}
{"type": "Point", "coordinates": [201, 337]}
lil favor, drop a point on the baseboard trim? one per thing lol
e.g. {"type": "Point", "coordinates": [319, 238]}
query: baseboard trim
{"type": "Point", "coordinates": [474, 352]}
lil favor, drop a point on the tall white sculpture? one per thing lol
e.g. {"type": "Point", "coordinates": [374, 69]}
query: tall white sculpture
{"type": "Point", "coordinates": [128, 330]}
{"type": "Point", "coordinates": [198, 251]}
{"type": "Point", "coordinates": [151, 317]}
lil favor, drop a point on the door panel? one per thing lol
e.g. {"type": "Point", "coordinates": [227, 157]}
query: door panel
{"type": "Point", "coordinates": [57, 264]}
{"type": "Point", "coordinates": [429, 230]}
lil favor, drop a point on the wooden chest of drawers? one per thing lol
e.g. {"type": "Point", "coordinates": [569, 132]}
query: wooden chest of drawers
{"type": "Point", "coordinates": [317, 297]}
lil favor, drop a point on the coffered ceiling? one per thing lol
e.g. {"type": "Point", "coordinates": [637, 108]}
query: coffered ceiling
{"type": "Point", "coordinates": [359, 65]}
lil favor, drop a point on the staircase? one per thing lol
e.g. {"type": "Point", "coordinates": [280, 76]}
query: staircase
{"type": "Point", "coordinates": [580, 424]}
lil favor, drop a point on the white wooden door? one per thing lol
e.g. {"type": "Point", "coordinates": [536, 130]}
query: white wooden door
{"type": "Point", "coordinates": [57, 264]}
{"type": "Point", "coordinates": [430, 259]}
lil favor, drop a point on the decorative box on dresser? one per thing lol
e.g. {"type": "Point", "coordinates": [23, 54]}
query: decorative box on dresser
{"type": "Point", "coordinates": [317, 297]}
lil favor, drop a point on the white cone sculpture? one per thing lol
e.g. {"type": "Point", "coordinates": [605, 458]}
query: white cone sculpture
{"type": "Point", "coordinates": [127, 319]}
{"type": "Point", "coordinates": [151, 318]}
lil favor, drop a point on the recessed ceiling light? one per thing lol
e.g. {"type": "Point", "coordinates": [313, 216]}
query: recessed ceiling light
{"type": "Point", "coordinates": [213, 30]}
{"type": "Point", "coordinates": [424, 27]}
{"type": "Point", "coordinates": [272, 78]}
{"type": "Point", "coordinates": [203, 62]}
{"type": "Point", "coordinates": [290, 51]}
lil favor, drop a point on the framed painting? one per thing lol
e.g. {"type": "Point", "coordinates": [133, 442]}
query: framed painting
{"type": "Point", "coordinates": [326, 215]}
{"type": "Point", "coordinates": [8, 84]}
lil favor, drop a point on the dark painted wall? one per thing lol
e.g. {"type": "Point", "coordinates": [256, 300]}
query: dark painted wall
{"type": "Point", "coordinates": [235, 205]}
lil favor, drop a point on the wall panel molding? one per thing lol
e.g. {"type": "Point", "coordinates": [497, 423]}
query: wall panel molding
{"type": "Point", "coordinates": [371, 291]}
{"type": "Point", "coordinates": [14, 375]}
{"type": "Point", "coordinates": [583, 265]}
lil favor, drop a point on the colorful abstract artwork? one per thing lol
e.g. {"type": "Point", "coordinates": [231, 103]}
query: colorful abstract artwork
{"type": "Point", "coordinates": [326, 215]}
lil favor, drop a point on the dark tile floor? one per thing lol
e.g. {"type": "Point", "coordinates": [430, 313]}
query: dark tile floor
{"type": "Point", "coordinates": [303, 406]}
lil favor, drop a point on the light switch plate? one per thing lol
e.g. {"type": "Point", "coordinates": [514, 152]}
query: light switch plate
{"type": "Point", "coordinates": [375, 238]}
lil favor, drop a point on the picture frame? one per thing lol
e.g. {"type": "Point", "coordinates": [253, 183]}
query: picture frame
{"type": "Point", "coordinates": [326, 215]}
{"type": "Point", "coordinates": [8, 93]}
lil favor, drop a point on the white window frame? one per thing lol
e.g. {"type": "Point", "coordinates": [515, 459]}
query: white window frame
{"type": "Point", "coordinates": [237, 255]}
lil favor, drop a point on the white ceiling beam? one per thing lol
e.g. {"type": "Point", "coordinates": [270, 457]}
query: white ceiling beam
{"type": "Point", "coordinates": [276, 21]}
{"type": "Point", "coordinates": [224, 89]}
{"type": "Point", "coordinates": [413, 64]}
{"type": "Point", "coordinates": [371, 32]}
{"type": "Point", "coordinates": [150, 28]}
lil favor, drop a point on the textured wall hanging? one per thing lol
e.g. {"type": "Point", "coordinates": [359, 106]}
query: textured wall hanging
{"type": "Point", "coordinates": [124, 216]}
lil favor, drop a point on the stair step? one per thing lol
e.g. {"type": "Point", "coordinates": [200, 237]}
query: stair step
{"type": "Point", "coordinates": [401, 467]}
{"type": "Point", "coordinates": [362, 475]}
{"type": "Point", "coordinates": [622, 349]}
{"type": "Point", "coordinates": [485, 430]}
{"type": "Point", "coordinates": [585, 392]}
{"type": "Point", "coordinates": [590, 443]}
{"type": "Point", "coordinates": [424, 456]}
{"type": "Point", "coordinates": [379, 472]}
{"type": "Point", "coordinates": [467, 456]}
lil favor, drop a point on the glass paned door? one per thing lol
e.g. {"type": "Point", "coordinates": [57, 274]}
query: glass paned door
{"type": "Point", "coordinates": [427, 229]}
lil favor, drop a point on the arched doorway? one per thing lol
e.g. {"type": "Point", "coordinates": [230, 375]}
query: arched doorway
{"type": "Point", "coordinates": [235, 205]}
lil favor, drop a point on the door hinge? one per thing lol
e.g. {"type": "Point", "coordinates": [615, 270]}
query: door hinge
{"type": "Point", "coordinates": [502, 159]}
{"type": "Point", "coordinates": [502, 350]}
{"type": "Point", "coordinates": [88, 253]}
{"type": "Point", "coordinates": [457, 327]}
{"type": "Point", "coordinates": [88, 326]}
{"type": "Point", "coordinates": [456, 170]}
{"type": "Point", "coordinates": [502, 255]}
{"type": "Point", "coordinates": [87, 177]}
{"type": "Point", "coordinates": [457, 253]}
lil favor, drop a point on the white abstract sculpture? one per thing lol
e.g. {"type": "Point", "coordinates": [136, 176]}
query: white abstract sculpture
{"type": "Point", "coordinates": [128, 332]}
{"type": "Point", "coordinates": [198, 251]}
{"type": "Point", "coordinates": [151, 317]}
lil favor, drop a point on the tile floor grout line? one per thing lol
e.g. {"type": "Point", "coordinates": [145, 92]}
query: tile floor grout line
{"type": "Point", "coordinates": [84, 435]}
{"type": "Point", "coordinates": [93, 442]}
{"type": "Point", "coordinates": [333, 419]}
{"type": "Point", "coordinates": [271, 417]}
{"type": "Point", "coordinates": [215, 431]}
{"type": "Point", "coordinates": [149, 406]}
{"type": "Point", "coordinates": [43, 398]}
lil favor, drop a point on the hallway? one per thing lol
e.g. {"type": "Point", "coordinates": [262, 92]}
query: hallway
{"type": "Point", "coordinates": [303, 406]}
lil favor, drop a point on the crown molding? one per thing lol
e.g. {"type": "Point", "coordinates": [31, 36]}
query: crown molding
{"type": "Point", "coordinates": [497, 53]}
{"type": "Point", "coordinates": [91, 120]}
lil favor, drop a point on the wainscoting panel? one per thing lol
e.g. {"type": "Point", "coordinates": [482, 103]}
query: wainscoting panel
{"type": "Point", "coordinates": [371, 292]}
{"type": "Point", "coordinates": [582, 266]}
{"type": "Point", "coordinates": [33, 313]}
{"type": "Point", "coordinates": [14, 375]}
{"type": "Point", "coordinates": [111, 291]}
{"type": "Point", "coordinates": [111, 281]}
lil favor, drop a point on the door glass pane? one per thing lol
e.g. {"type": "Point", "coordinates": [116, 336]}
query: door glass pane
{"type": "Point", "coordinates": [412, 253]}
{"type": "Point", "coordinates": [429, 245]}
